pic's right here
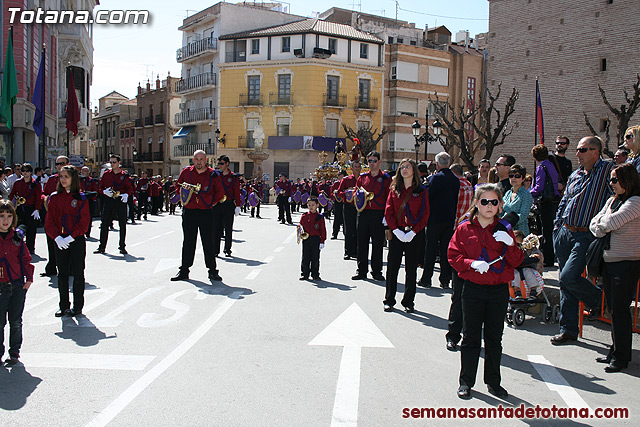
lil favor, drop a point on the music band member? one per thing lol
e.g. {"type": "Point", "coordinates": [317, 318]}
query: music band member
{"type": "Point", "coordinates": [89, 186]}
{"type": "Point", "coordinates": [52, 184]}
{"type": "Point", "coordinates": [283, 189]}
{"type": "Point", "coordinates": [198, 215]}
{"type": "Point", "coordinates": [27, 193]}
{"type": "Point", "coordinates": [349, 212]}
{"type": "Point", "coordinates": [225, 211]}
{"type": "Point", "coordinates": [116, 186]}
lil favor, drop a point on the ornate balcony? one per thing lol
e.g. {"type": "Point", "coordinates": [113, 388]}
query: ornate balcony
{"type": "Point", "coordinates": [246, 99]}
{"type": "Point", "coordinates": [197, 48]}
{"type": "Point", "coordinates": [194, 116]}
{"type": "Point", "coordinates": [334, 100]}
{"type": "Point", "coordinates": [196, 82]}
{"type": "Point", "coordinates": [187, 150]}
{"type": "Point", "coordinates": [280, 99]}
{"type": "Point", "coordinates": [366, 104]}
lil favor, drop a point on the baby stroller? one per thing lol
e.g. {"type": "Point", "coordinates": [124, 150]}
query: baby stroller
{"type": "Point", "coordinates": [519, 301]}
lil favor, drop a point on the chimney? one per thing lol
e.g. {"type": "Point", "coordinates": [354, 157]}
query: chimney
{"type": "Point", "coordinates": [158, 81]}
{"type": "Point", "coordinates": [148, 85]}
{"type": "Point", "coordinates": [139, 88]}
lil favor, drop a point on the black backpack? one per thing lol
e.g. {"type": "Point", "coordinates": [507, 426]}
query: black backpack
{"type": "Point", "coordinates": [548, 193]}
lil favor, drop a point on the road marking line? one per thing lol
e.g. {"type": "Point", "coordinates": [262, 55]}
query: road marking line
{"type": "Point", "coordinates": [119, 362]}
{"type": "Point", "coordinates": [268, 259]}
{"type": "Point", "coordinates": [556, 382]}
{"type": "Point", "coordinates": [168, 232]}
{"type": "Point", "coordinates": [254, 273]}
{"type": "Point", "coordinates": [291, 236]}
{"type": "Point", "coordinates": [31, 306]}
{"type": "Point", "coordinates": [122, 401]}
{"type": "Point", "coordinates": [278, 249]}
{"type": "Point", "coordinates": [144, 241]}
{"type": "Point", "coordinates": [110, 319]}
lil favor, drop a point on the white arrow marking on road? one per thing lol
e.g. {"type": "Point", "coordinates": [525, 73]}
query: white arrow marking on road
{"type": "Point", "coordinates": [556, 382]}
{"type": "Point", "coordinates": [352, 330]}
{"type": "Point", "coordinates": [110, 319]}
{"type": "Point", "coordinates": [86, 361]}
{"type": "Point", "coordinates": [167, 264]}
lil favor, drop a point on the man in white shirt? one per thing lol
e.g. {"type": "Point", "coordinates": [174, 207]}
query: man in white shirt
{"type": "Point", "coordinates": [16, 175]}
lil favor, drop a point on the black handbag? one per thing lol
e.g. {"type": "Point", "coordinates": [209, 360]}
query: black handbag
{"type": "Point", "coordinates": [595, 261]}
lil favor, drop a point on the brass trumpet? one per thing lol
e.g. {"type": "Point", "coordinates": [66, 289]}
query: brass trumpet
{"type": "Point", "coordinates": [193, 187]}
{"type": "Point", "coordinates": [116, 194]}
{"type": "Point", "coordinates": [20, 201]}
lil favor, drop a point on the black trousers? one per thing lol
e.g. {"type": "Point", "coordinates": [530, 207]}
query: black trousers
{"type": "Point", "coordinates": [70, 262]}
{"type": "Point", "coordinates": [12, 298]}
{"type": "Point", "coordinates": [620, 280]}
{"type": "Point", "coordinates": [51, 268]}
{"type": "Point", "coordinates": [370, 228]}
{"type": "Point", "coordinates": [311, 256]}
{"type": "Point", "coordinates": [350, 226]}
{"type": "Point", "coordinates": [253, 210]}
{"type": "Point", "coordinates": [25, 218]}
{"type": "Point", "coordinates": [132, 209]}
{"type": "Point", "coordinates": [92, 209]}
{"type": "Point", "coordinates": [284, 208]}
{"type": "Point", "coordinates": [455, 311]}
{"type": "Point", "coordinates": [547, 215]}
{"type": "Point", "coordinates": [483, 307]}
{"type": "Point", "coordinates": [143, 204]}
{"type": "Point", "coordinates": [113, 207]}
{"type": "Point", "coordinates": [223, 214]}
{"type": "Point", "coordinates": [194, 220]}
{"type": "Point", "coordinates": [410, 251]}
{"type": "Point", "coordinates": [438, 237]}
{"type": "Point", "coordinates": [338, 218]}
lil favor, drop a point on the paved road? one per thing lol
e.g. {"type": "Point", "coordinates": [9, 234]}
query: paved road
{"type": "Point", "coordinates": [264, 349]}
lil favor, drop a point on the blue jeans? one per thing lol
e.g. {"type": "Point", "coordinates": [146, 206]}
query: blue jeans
{"type": "Point", "coordinates": [571, 250]}
{"type": "Point", "coordinates": [11, 307]}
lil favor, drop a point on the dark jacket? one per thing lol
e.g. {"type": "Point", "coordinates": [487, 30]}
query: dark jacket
{"type": "Point", "coordinates": [443, 197]}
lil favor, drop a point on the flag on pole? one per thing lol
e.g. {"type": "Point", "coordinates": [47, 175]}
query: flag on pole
{"type": "Point", "coordinates": [73, 110]}
{"type": "Point", "coordinates": [539, 120]}
{"type": "Point", "coordinates": [9, 84]}
{"type": "Point", "coordinates": [39, 98]}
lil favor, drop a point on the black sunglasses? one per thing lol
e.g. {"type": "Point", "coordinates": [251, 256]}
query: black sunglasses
{"type": "Point", "coordinates": [485, 202]}
{"type": "Point", "coordinates": [628, 136]}
{"type": "Point", "coordinates": [501, 164]}
{"type": "Point", "coordinates": [613, 180]}
{"type": "Point", "coordinates": [373, 160]}
{"type": "Point", "coordinates": [60, 164]}
{"type": "Point", "coordinates": [562, 143]}
{"type": "Point", "coordinates": [515, 175]}
{"type": "Point", "coordinates": [584, 149]}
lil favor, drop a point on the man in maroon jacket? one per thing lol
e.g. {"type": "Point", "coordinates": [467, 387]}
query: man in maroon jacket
{"type": "Point", "coordinates": [225, 211]}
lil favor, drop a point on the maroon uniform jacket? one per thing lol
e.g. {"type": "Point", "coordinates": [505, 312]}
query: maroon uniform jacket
{"type": "Point", "coordinates": [471, 242]}
{"type": "Point", "coordinates": [89, 184]}
{"type": "Point", "coordinates": [313, 224]}
{"type": "Point", "coordinates": [31, 191]}
{"type": "Point", "coordinates": [333, 191]}
{"type": "Point", "coordinates": [378, 185]}
{"type": "Point", "coordinates": [117, 181]}
{"type": "Point", "coordinates": [231, 185]}
{"type": "Point", "coordinates": [68, 215]}
{"type": "Point", "coordinates": [51, 185]}
{"type": "Point", "coordinates": [15, 260]}
{"type": "Point", "coordinates": [211, 191]}
{"type": "Point", "coordinates": [143, 185]}
{"type": "Point", "coordinates": [154, 189]}
{"type": "Point", "coordinates": [286, 186]}
{"type": "Point", "coordinates": [346, 183]}
{"type": "Point", "coordinates": [415, 214]}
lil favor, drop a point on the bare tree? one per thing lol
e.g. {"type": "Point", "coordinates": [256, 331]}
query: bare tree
{"type": "Point", "coordinates": [622, 114]}
{"type": "Point", "coordinates": [366, 136]}
{"type": "Point", "coordinates": [474, 128]}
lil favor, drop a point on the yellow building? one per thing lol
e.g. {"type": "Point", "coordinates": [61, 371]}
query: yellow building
{"type": "Point", "coordinates": [300, 82]}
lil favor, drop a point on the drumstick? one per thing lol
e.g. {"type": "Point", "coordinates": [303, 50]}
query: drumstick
{"type": "Point", "coordinates": [496, 260]}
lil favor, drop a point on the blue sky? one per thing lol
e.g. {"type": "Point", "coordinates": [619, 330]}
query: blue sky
{"type": "Point", "coordinates": [127, 54]}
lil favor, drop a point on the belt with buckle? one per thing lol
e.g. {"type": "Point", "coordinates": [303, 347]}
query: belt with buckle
{"type": "Point", "coordinates": [577, 229]}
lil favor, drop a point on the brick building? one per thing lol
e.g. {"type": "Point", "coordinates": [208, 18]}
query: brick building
{"type": "Point", "coordinates": [572, 46]}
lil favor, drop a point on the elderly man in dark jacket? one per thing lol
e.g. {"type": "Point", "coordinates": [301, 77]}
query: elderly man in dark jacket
{"type": "Point", "coordinates": [443, 199]}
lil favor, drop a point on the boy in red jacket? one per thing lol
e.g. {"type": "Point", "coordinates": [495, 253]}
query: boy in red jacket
{"type": "Point", "coordinates": [313, 224]}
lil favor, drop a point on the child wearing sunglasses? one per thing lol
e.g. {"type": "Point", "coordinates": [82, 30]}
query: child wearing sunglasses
{"type": "Point", "coordinates": [485, 260]}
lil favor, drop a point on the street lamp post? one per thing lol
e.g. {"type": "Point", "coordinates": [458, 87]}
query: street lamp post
{"type": "Point", "coordinates": [220, 140]}
{"type": "Point", "coordinates": [425, 137]}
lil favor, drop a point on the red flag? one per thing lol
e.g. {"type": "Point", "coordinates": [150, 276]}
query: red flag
{"type": "Point", "coordinates": [73, 110]}
{"type": "Point", "coordinates": [539, 121]}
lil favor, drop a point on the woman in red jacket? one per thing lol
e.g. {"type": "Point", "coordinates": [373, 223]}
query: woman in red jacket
{"type": "Point", "coordinates": [406, 213]}
{"type": "Point", "coordinates": [66, 223]}
{"type": "Point", "coordinates": [27, 193]}
{"type": "Point", "coordinates": [484, 255]}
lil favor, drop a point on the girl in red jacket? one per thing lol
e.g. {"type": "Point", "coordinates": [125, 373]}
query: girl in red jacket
{"type": "Point", "coordinates": [16, 276]}
{"type": "Point", "coordinates": [66, 223]}
{"type": "Point", "coordinates": [485, 256]}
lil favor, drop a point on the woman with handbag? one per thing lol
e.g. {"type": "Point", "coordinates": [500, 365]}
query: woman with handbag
{"type": "Point", "coordinates": [406, 213]}
{"type": "Point", "coordinates": [621, 217]}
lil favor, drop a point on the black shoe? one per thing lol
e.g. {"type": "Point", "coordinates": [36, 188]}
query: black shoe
{"type": "Point", "coordinates": [347, 257]}
{"type": "Point", "coordinates": [215, 276]}
{"type": "Point", "coordinates": [605, 359]}
{"type": "Point", "coordinates": [60, 313]}
{"type": "Point", "coordinates": [612, 367]}
{"type": "Point", "coordinates": [180, 276]}
{"type": "Point", "coordinates": [68, 312]}
{"type": "Point", "coordinates": [563, 339]}
{"type": "Point", "coordinates": [48, 274]}
{"type": "Point", "coordinates": [315, 278]}
{"type": "Point", "coordinates": [304, 278]}
{"type": "Point", "coordinates": [594, 313]}
{"type": "Point", "coordinates": [451, 346]}
{"type": "Point", "coordinates": [424, 283]}
{"type": "Point", "coordinates": [359, 276]}
{"type": "Point", "coordinates": [378, 276]}
{"type": "Point", "coordinates": [388, 307]}
{"type": "Point", "coordinates": [444, 285]}
{"type": "Point", "coordinates": [12, 361]}
{"type": "Point", "coordinates": [290, 223]}
{"type": "Point", "coordinates": [227, 253]}
{"type": "Point", "coordinates": [258, 216]}
{"type": "Point", "coordinates": [464, 392]}
{"type": "Point", "coordinates": [409, 309]}
{"type": "Point", "coordinates": [334, 237]}
{"type": "Point", "coordinates": [123, 251]}
{"type": "Point", "coordinates": [74, 312]}
{"type": "Point", "coordinates": [99, 251]}
{"type": "Point", "coordinates": [498, 391]}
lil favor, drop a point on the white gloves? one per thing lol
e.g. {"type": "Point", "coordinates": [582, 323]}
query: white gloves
{"type": "Point", "coordinates": [321, 246]}
{"type": "Point", "coordinates": [409, 236]}
{"type": "Point", "coordinates": [61, 242]}
{"type": "Point", "coordinates": [68, 240]}
{"type": "Point", "coordinates": [399, 234]}
{"type": "Point", "coordinates": [124, 197]}
{"type": "Point", "coordinates": [36, 215]}
{"type": "Point", "coordinates": [290, 199]}
{"type": "Point", "coordinates": [503, 236]}
{"type": "Point", "coordinates": [384, 221]}
{"type": "Point", "coordinates": [237, 211]}
{"type": "Point", "coordinates": [480, 266]}
{"type": "Point", "coordinates": [149, 199]}
{"type": "Point", "coordinates": [108, 192]}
